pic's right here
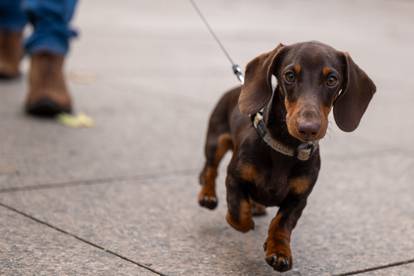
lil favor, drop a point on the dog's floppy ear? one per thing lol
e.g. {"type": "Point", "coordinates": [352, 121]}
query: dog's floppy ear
{"type": "Point", "coordinates": [357, 91]}
{"type": "Point", "coordinates": [257, 88]}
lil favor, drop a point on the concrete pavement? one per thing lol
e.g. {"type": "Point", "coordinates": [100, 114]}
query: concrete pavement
{"type": "Point", "coordinates": [120, 198]}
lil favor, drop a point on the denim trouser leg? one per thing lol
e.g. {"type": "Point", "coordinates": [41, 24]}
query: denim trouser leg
{"type": "Point", "coordinates": [12, 17]}
{"type": "Point", "coordinates": [51, 23]}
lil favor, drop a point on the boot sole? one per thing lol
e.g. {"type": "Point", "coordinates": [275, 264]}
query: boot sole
{"type": "Point", "coordinates": [46, 108]}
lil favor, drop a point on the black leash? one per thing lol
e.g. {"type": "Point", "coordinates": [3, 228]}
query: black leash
{"type": "Point", "coordinates": [235, 67]}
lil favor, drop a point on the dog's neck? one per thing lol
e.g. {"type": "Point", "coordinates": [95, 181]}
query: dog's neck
{"type": "Point", "coordinates": [275, 120]}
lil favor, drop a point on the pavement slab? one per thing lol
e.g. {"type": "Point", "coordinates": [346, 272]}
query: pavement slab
{"type": "Point", "coordinates": [140, 145]}
{"type": "Point", "coordinates": [30, 248]}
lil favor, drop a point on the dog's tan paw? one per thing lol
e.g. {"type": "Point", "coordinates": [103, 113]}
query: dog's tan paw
{"type": "Point", "coordinates": [279, 263]}
{"type": "Point", "coordinates": [278, 254]}
{"type": "Point", "coordinates": [207, 200]}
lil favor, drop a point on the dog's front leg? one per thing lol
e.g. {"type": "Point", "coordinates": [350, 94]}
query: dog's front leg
{"type": "Point", "coordinates": [277, 245]}
{"type": "Point", "coordinates": [239, 214]}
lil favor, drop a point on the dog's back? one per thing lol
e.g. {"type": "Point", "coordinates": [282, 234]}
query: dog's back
{"type": "Point", "coordinates": [220, 118]}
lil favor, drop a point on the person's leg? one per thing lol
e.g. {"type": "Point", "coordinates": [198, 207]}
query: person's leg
{"type": "Point", "coordinates": [12, 17]}
{"type": "Point", "coordinates": [12, 22]}
{"type": "Point", "coordinates": [48, 46]}
{"type": "Point", "coordinates": [51, 23]}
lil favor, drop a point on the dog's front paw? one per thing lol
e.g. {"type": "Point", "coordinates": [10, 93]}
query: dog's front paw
{"type": "Point", "coordinates": [278, 255]}
{"type": "Point", "coordinates": [279, 262]}
{"type": "Point", "coordinates": [207, 199]}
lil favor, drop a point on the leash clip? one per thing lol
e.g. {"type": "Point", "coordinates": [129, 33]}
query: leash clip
{"type": "Point", "coordinates": [238, 72]}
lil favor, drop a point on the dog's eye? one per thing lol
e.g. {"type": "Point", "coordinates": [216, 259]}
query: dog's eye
{"type": "Point", "coordinates": [332, 81]}
{"type": "Point", "coordinates": [290, 76]}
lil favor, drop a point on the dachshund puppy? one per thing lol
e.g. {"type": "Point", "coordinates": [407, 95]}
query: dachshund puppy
{"type": "Point", "coordinates": [274, 135]}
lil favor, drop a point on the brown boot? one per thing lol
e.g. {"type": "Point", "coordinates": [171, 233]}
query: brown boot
{"type": "Point", "coordinates": [48, 94]}
{"type": "Point", "coordinates": [11, 52]}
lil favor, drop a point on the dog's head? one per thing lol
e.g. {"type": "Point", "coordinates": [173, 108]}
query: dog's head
{"type": "Point", "coordinates": [312, 78]}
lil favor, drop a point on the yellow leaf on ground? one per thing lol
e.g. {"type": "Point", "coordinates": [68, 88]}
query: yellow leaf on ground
{"type": "Point", "coordinates": [75, 121]}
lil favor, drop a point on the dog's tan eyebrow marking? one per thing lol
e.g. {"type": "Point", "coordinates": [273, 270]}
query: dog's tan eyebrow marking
{"type": "Point", "coordinates": [326, 70]}
{"type": "Point", "coordinates": [297, 68]}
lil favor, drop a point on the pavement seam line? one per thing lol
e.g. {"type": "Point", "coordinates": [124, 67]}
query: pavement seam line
{"type": "Point", "coordinates": [376, 268]}
{"type": "Point", "coordinates": [62, 231]}
{"type": "Point", "coordinates": [96, 181]}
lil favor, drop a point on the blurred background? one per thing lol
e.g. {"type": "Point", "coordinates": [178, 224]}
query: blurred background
{"type": "Point", "coordinates": [149, 73]}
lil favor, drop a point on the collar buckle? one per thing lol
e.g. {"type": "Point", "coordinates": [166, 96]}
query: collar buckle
{"type": "Point", "coordinates": [305, 151]}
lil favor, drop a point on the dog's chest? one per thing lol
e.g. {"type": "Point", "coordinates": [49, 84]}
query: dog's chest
{"type": "Point", "coordinates": [268, 185]}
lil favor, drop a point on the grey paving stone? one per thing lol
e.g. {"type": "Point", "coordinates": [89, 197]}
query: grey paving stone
{"type": "Point", "coordinates": [29, 248]}
{"type": "Point", "coordinates": [136, 132]}
{"type": "Point", "coordinates": [355, 218]}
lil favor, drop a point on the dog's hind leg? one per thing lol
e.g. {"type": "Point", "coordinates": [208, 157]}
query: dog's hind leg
{"type": "Point", "coordinates": [218, 142]}
{"type": "Point", "coordinates": [216, 147]}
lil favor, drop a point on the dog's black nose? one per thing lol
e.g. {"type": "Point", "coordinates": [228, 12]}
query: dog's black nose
{"type": "Point", "coordinates": [309, 129]}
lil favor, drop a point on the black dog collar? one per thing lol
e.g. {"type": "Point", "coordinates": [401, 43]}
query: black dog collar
{"type": "Point", "coordinates": [303, 152]}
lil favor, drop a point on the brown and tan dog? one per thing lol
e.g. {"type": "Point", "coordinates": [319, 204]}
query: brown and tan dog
{"type": "Point", "coordinates": [273, 135]}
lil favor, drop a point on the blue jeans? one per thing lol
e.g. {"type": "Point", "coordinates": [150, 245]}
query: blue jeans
{"type": "Point", "coordinates": [50, 20]}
